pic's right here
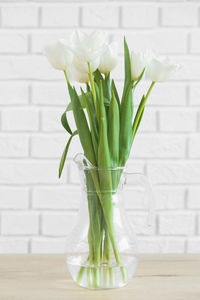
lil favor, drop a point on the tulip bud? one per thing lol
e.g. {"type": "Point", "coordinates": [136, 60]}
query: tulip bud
{"type": "Point", "coordinates": [138, 63]}
{"type": "Point", "coordinates": [160, 69]}
{"type": "Point", "coordinates": [59, 55]}
{"type": "Point", "coordinates": [82, 66]}
{"type": "Point", "coordinates": [87, 48]}
{"type": "Point", "coordinates": [108, 59]}
{"type": "Point", "coordinates": [81, 77]}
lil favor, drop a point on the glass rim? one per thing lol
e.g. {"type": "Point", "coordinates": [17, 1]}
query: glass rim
{"type": "Point", "coordinates": [80, 158]}
{"type": "Point", "coordinates": [101, 168]}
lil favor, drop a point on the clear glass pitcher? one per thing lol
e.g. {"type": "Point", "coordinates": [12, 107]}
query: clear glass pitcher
{"type": "Point", "coordinates": [102, 247]}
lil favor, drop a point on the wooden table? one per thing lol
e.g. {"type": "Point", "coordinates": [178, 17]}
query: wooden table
{"type": "Point", "coordinates": [45, 277]}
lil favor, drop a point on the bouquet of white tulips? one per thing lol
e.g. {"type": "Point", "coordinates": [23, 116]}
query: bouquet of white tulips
{"type": "Point", "coordinates": [105, 123]}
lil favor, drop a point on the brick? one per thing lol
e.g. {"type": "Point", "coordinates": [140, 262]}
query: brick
{"type": "Point", "coordinates": [13, 245]}
{"type": "Point", "coordinates": [194, 197]}
{"type": "Point", "coordinates": [133, 198]}
{"type": "Point", "coordinates": [179, 120]}
{"type": "Point", "coordinates": [148, 123]}
{"type": "Point", "coordinates": [13, 42]}
{"type": "Point", "coordinates": [99, 15]}
{"type": "Point", "coordinates": [173, 172]}
{"type": "Point", "coordinates": [53, 146]}
{"type": "Point", "coordinates": [190, 68]}
{"type": "Point", "coordinates": [168, 95]}
{"type": "Point", "coordinates": [48, 146]}
{"type": "Point", "coordinates": [139, 223]}
{"type": "Point", "coordinates": [44, 37]}
{"type": "Point", "coordinates": [20, 119]}
{"type": "Point", "coordinates": [169, 198]}
{"type": "Point", "coordinates": [160, 245]}
{"type": "Point", "coordinates": [164, 41]}
{"type": "Point", "coordinates": [194, 146]}
{"type": "Point", "coordinates": [28, 67]}
{"type": "Point", "coordinates": [136, 15]}
{"type": "Point", "coordinates": [198, 220]}
{"type": "Point", "coordinates": [134, 166]}
{"type": "Point", "coordinates": [14, 197]}
{"type": "Point", "coordinates": [193, 245]}
{"type": "Point", "coordinates": [56, 197]}
{"type": "Point", "coordinates": [13, 145]}
{"type": "Point", "coordinates": [48, 245]}
{"type": "Point", "coordinates": [198, 223]}
{"type": "Point", "coordinates": [30, 172]}
{"type": "Point", "coordinates": [17, 95]}
{"type": "Point", "coordinates": [194, 94]}
{"type": "Point", "coordinates": [20, 15]}
{"type": "Point", "coordinates": [164, 198]}
{"type": "Point", "coordinates": [194, 43]}
{"type": "Point", "coordinates": [177, 223]}
{"type": "Point", "coordinates": [158, 146]}
{"type": "Point", "coordinates": [60, 16]}
{"type": "Point", "coordinates": [51, 120]}
{"type": "Point", "coordinates": [53, 94]}
{"type": "Point", "coordinates": [20, 223]}
{"type": "Point", "coordinates": [57, 224]}
{"type": "Point", "coordinates": [179, 15]}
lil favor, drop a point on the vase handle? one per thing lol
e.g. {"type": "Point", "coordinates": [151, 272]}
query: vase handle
{"type": "Point", "coordinates": [140, 178]}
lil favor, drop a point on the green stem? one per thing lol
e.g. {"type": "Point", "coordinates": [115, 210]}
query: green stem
{"type": "Point", "coordinates": [108, 272]}
{"type": "Point", "coordinates": [66, 76]}
{"type": "Point", "coordinates": [93, 88]}
{"type": "Point", "coordinates": [80, 274]}
{"type": "Point", "coordinates": [140, 110]}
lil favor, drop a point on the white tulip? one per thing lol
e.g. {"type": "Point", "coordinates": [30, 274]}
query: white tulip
{"type": "Point", "coordinates": [82, 77]}
{"type": "Point", "coordinates": [138, 63]}
{"type": "Point", "coordinates": [108, 59]}
{"type": "Point", "coordinates": [87, 48]}
{"type": "Point", "coordinates": [82, 66]}
{"type": "Point", "coordinates": [59, 55]}
{"type": "Point", "coordinates": [161, 69]}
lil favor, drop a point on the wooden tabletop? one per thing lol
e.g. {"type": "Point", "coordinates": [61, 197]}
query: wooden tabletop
{"type": "Point", "coordinates": [45, 277]}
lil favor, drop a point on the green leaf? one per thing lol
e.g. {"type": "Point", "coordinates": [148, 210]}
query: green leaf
{"type": "Point", "coordinates": [138, 124]}
{"type": "Point", "coordinates": [126, 116]}
{"type": "Point", "coordinates": [106, 87]}
{"type": "Point", "coordinates": [138, 117]}
{"type": "Point", "coordinates": [114, 89]}
{"type": "Point", "coordinates": [92, 120]}
{"type": "Point", "coordinates": [140, 111]}
{"type": "Point", "coordinates": [64, 155]}
{"type": "Point", "coordinates": [113, 131]}
{"type": "Point", "coordinates": [103, 149]}
{"type": "Point", "coordinates": [82, 101]}
{"type": "Point", "coordinates": [98, 76]}
{"type": "Point", "coordinates": [105, 84]}
{"type": "Point", "coordinates": [139, 79]}
{"type": "Point", "coordinates": [65, 123]}
{"type": "Point", "coordinates": [126, 109]}
{"type": "Point", "coordinates": [82, 126]}
{"type": "Point", "coordinates": [127, 69]}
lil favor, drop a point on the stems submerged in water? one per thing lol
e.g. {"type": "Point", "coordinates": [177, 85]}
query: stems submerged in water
{"type": "Point", "coordinates": [103, 251]}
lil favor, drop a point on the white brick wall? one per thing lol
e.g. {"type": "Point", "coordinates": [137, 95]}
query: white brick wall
{"type": "Point", "coordinates": [37, 209]}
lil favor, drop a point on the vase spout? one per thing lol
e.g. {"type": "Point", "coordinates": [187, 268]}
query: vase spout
{"type": "Point", "coordinates": [81, 160]}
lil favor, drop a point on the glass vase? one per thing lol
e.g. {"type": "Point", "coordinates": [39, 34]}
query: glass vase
{"type": "Point", "coordinates": [102, 247]}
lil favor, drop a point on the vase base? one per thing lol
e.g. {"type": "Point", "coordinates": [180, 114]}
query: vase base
{"type": "Point", "coordinates": [104, 276]}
